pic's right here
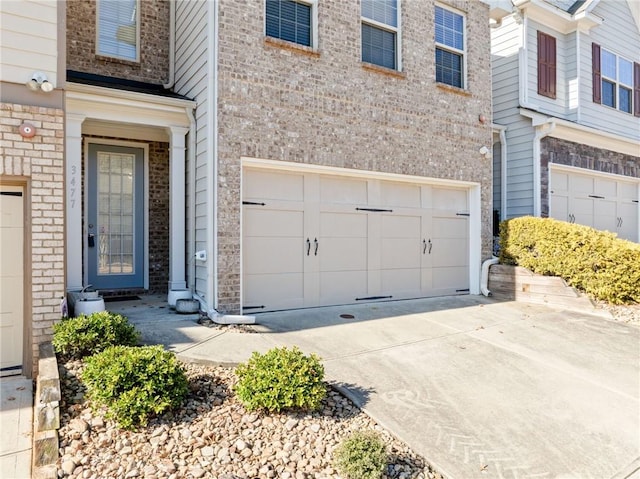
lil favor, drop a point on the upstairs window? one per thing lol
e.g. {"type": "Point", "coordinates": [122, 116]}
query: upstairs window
{"type": "Point", "coordinates": [546, 65]}
{"type": "Point", "coordinates": [616, 81]}
{"type": "Point", "coordinates": [290, 20]}
{"type": "Point", "coordinates": [450, 47]}
{"type": "Point", "coordinates": [118, 29]}
{"type": "Point", "coordinates": [380, 31]}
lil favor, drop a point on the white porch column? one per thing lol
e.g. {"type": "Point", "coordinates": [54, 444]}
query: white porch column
{"type": "Point", "coordinates": [177, 213]}
{"type": "Point", "coordinates": [73, 170]}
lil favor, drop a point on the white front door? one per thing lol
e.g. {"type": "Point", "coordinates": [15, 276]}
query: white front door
{"type": "Point", "coordinates": [316, 240]}
{"type": "Point", "coordinates": [11, 279]}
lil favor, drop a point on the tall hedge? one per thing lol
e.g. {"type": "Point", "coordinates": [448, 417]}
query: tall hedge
{"type": "Point", "coordinates": [596, 262]}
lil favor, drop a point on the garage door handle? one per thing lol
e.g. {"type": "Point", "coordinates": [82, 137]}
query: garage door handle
{"type": "Point", "coordinates": [424, 246]}
{"type": "Point", "coordinates": [315, 242]}
{"type": "Point", "coordinates": [308, 246]}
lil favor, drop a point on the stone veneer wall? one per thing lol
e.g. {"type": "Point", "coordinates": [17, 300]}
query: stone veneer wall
{"type": "Point", "coordinates": [153, 66]}
{"type": "Point", "coordinates": [38, 163]}
{"type": "Point", "coordinates": [278, 101]}
{"type": "Point", "coordinates": [563, 152]}
{"type": "Point", "coordinates": [158, 213]}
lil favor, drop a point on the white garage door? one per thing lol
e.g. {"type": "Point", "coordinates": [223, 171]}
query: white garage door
{"type": "Point", "coordinates": [602, 202]}
{"type": "Point", "coordinates": [11, 279]}
{"type": "Point", "coordinates": [314, 240]}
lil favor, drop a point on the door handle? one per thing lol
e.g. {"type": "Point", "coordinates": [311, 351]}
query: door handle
{"type": "Point", "coordinates": [91, 240]}
{"type": "Point", "coordinates": [308, 246]}
{"type": "Point", "coordinates": [424, 246]}
{"type": "Point", "coordinates": [315, 242]}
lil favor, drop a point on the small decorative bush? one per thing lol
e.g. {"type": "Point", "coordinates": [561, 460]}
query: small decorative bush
{"type": "Point", "coordinates": [281, 379]}
{"type": "Point", "coordinates": [596, 262]}
{"type": "Point", "coordinates": [85, 335]}
{"type": "Point", "coordinates": [135, 382]}
{"type": "Point", "coordinates": [363, 455]}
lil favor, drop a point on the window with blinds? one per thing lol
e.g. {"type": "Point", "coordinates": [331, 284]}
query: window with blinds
{"type": "Point", "coordinates": [290, 20]}
{"type": "Point", "coordinates": [380, 30]}
{"type": "Point", "coordinates": [118, 29]}
{"type": "Point", "coordinates": [450, 47]}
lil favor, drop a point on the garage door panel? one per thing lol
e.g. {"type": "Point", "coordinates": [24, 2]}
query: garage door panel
{"type": "Point", "coordinates": [605, 215]}
{"type": "Point", "coordinates": [263, 222]}
{"type": "Point", "coordinates": [559, 207]}
{"type": "Point", "coordinates": [342, 286]}
{"type": "Point", "coordinates": [456, 227]}
{"type": "Point", "coordinates": [274, 291]}
{"type": "Point", "coordinates": [401, 282]}
{"type": "Point", "coordinates": [582, 184]}
{"type": "Point", "coordinates": [400, 195]}
{"type": "Point", "coordinates": [400, 226]}
{"type": "Point", "coordinates": [10, 289]}
{"type": "Point", "coordinates": [273, 185]}
{"type": "Point", "coordinates": [559, 182]}
{"type": "Point", "coordinates": [450, 252]}
{"type": "Point", "coordinates": [342, 254]}
{"type": "Point", "coordinates": [606, 187]}
{"type": "Point", "coordinates": [627, 191]}
{"type": "Point", "coordinates": [343, 190]}
{"type": "Point", "coordinates": [10, 257]}
{"type": "Point", "coordinates": [628, 229]}
{"type": "Point", "coordinates": [273, 255]}
{"type": "Point", "coordinates": [343, 225]}
{"type": "Point", "coordinates": [401, 253]}
{"type": "Point", "coordinates": [452, 278]}
{"type": "Point", "coordinates": [449, 199]}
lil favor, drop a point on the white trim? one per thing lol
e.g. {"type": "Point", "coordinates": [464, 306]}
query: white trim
{"type": "Point", "coordinates": [212, 164]}
{"type": "Point", "coordinates": [137, 47]}
{"type": "Point", "coordinates": [73, 206]}
{"type": "Point", "coordinates": [177, 223]}
{"type": "Point", "coordinates": [570, 131]}
{"type": "Point", "coordinates": [85, 213]}
{"type": "Point", "coordinates": [80, 91]}
{"type": "Point", "coordinates": [556, 18]}
{"type": "Point", "coordinates": [473, 193]}
{"type": "Point", "coordinates": [586, 171]}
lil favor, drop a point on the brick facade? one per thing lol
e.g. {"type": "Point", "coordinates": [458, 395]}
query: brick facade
{"type": "Point", "coordinates": [280, 102]}
{"type": "Point", "coordinates": [153, 66]}
{"type": "Point", "coordinates": [563, 152]}
{"type": "Point", "coordinates": [38, 164]}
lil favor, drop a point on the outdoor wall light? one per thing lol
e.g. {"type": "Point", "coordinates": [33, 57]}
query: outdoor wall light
{"type": "Point", "coordinates": [39, 81]}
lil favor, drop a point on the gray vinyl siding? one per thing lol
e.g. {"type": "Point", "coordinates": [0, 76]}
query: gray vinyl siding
{"type": "Point", "coordinates": [191, 81]}
{"type": "Point", "coordinates": [555, 107]}
{"type": "Point", "coordinates": [505, 45]}
{"type": "Point", "coordinates": [618, 34]}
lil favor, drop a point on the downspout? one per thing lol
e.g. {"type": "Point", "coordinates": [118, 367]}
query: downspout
{"type": "Point", "coordinates": [191, 161]}
{"type": "Point", "coordinates": [484, 276]}
{"type": "Point", "coordinates": [541, 132]}
{"type": "Point", "coordinates": [172, 46]}
{"type": "Point", "coordinates": [503, 171]}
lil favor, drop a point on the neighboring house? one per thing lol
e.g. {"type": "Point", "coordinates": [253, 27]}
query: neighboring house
{"type": "Point", "coordinates": [340, 149]}
{"type": "Point", "coordinates": [32, 188]}
{"type": "Point", "coordinates": [566, 106]}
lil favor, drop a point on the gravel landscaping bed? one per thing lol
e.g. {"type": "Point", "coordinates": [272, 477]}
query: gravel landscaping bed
{"type": "Point", "coordinates": [213, 436]}
{"type": "Point", "coordinates": [629, 314]}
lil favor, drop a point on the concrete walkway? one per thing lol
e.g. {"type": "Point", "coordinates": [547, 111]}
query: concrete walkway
{"type": "Point", "coordinates": [16, 427]}
{"type": "Point", "coordinates": [480, 388]}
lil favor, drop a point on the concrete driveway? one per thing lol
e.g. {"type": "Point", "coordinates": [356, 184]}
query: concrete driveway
{"type": "Point", "coordinates": [481, 389]}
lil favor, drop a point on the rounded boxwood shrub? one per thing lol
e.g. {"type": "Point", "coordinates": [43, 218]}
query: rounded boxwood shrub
{"type": "Point", "coordinates": [135, 382]}
{"type": "Point", "coordinates": [363, 455]}
{"type": "Point", "coordinates": [596, 262]}
{"type": "Point", "coordinates": [281, 379]}
{"type": "Point", "coordinates": [85, 335]}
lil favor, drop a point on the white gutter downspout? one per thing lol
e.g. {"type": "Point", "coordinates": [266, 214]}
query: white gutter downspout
{"type": "Point", "coordinates": [503, 172]}
{"type": "Point", "coordinates": [484, 276]}
{"type": "Point", "coordinates": [172, 45]}
{"type": "Point", "coordinates": [191, 161]}
{"type": "Point", "coordinates": [541, 132]}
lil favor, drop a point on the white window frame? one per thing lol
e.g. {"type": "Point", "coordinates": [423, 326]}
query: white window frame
{"type": "Point", "coordinates": [448, 48]}
{"type": "Point", "coordinates": [97, 49]}
{"type": "Point", "coordinates": [389, 28]}
{"type": "Point", "coordinates": [314, 24]}
{"type": "Point", "coordinates": [616, 82]}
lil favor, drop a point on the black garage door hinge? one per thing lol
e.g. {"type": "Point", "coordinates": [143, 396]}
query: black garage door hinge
{"type": "Point", "coordinates": [463, 214]}
{"type": "Point", "coordinates": [462, 290]}
{"type": "Point", "coordinates": [597, 197]}
{"type": "Point", "coordinates": [11, 193]}
{"type": "Point", "coordinates": [254, 203]}
{"type": "Point", "coordinates": [371, 298]}
{"type": "Point", "coordinates": [253, 307]}
{"type": "Point", "coordinates": [634, 201]}
{"type": "Point", "coordinates": [375, 210]}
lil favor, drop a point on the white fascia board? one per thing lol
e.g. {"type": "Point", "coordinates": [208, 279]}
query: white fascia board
{"type": "Point", "coordinates": [567, 130]}
{"type": "Point", "coordinates": [127, 107]}
{"type": "Point", "coordinates": [556, 18]}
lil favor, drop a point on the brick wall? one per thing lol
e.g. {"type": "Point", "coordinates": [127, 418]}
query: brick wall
{"type": "Point", "coordinates": [38, 162]}
{"type": "Point", "coordinates": [563, 152]}
{"type": "Point", "coordinates": [153, 66]}
{"type": "Point", "coordinates": [284, 103]}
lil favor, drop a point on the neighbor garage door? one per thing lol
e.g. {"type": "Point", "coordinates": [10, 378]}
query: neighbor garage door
{"type": "Point", "coordinates": [11, 279]}
{"type": "Point", "coordinates": [313, 240]}
{"type": "Point", "coordinates": [602, 202]}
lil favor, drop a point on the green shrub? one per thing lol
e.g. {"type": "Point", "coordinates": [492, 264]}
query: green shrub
{"type": "Point", "coordinates": [596, 262]}
{"type": "Point", "coordinates": [135, 382]}
{"type": "Point", "coordinates": [363, 455]}
{"type": "Point", "coordinates": [85, 335]}
{"type": "Point", "coordinates": [281, 379]}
